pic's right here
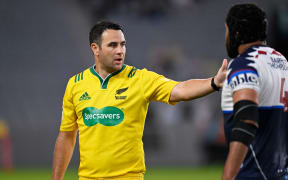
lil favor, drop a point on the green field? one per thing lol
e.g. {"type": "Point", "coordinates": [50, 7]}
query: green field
{"type": "Point", "coordinates": [156, 173]}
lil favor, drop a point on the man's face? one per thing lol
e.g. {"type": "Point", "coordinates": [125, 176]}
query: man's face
{"type": "Point", "coordinates": [112, 52]}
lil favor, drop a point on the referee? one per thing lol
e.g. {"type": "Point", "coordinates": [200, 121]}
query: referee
{"type": "Point", "coordinates": [107, 105]}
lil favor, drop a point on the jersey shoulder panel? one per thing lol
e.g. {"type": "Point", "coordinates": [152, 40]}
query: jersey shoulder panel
{"type": "Point", "coordinates": [243, 72]}
{"type": "Point", "coordinates": [77, 81]}
{"type": "Point", "coordinates": [80, 76]}
{"type": "Point", "coordinates": [242, 64]}
{"type": "Point", "coordinates": [147, 74]}
{"type": "Point", "coordinates": [131, 70]}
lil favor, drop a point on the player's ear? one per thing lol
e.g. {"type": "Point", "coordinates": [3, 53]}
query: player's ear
{"type": "Point", "coordinates": [95, 48]}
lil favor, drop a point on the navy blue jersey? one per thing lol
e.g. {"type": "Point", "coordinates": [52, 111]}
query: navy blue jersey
{"type": "Point", "coordinates": [266, 71]}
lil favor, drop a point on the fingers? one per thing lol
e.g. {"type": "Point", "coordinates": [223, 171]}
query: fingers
{"type": "Point", "coordinates": [224, 65]}
{"type": "Point", "coordinates": [221, 75]}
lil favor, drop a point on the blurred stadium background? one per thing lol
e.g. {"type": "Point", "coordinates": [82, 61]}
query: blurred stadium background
{"type": "Point", "coordinates": [44, 42]}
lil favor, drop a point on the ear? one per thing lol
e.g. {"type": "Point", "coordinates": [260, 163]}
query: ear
{"type": "Point", "coordinates": [95, 48]}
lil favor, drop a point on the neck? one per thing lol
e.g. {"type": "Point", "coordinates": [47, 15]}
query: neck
{"type": "Point", "coordinates": [243, 47]}
{"type": "Point", "coordinates": [103, 73]}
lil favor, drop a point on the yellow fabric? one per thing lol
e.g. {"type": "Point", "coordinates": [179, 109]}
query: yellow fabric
{"type": "Point", "coordinates": [110, 134]}
{"type": "Point", "coordinates": [128, 176]}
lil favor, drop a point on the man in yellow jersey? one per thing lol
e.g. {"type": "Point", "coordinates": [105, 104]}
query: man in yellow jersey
{"type": "Point", "coordinates": [107, 104]}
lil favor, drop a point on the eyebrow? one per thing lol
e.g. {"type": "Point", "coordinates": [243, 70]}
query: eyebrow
{"type": "Point", "coordinates": [115, 42]}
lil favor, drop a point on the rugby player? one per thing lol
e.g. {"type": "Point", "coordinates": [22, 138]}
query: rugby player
{"type": "Point", "coordinates": [254, 99]}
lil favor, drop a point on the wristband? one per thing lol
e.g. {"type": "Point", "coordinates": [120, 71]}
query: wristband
{"type": "Point", "coordinates": [214, 86]}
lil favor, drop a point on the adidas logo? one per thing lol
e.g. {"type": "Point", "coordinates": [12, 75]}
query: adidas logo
{"type": "Point", "coordinates": [85, 96]}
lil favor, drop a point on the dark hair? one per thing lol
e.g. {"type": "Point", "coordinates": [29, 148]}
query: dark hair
{"type": "Point", "coordinates": [247, 23]}
{"type": "Point", "coordinates": [95, 35]}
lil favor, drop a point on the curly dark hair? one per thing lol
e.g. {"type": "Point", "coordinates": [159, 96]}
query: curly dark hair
{"type": "Point", "coordinates": [249, 20]}
{"type": "Point", "coordinates": [95, 35]}
{"type": "Point", "coordinates": [246, 23]}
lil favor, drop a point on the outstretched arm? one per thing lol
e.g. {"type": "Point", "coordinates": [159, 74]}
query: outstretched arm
{"type": "Point", "coordinates": [62, 153]}
{"type": "Point", "coordinates": [195, 88]}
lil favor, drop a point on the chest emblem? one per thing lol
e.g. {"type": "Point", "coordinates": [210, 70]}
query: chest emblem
{"type": "Point", "coordinates": [107, 116]}
{"type": "Point", "coordinates": [119, 93]}
{"type": "Point", "coordinates": [84, 96]}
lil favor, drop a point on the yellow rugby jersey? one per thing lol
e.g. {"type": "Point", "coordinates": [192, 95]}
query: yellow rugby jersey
{"type": "Point", "coordinates": [110, 115]}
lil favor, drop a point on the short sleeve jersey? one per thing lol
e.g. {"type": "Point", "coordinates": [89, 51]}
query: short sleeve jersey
{"type": "Point", "coordinates": [110, 115]}
{"type": "Point", "coordinates": [266, 71]}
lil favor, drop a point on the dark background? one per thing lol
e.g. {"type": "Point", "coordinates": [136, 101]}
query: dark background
{"type": "Point", "coordinates": [44, 42]}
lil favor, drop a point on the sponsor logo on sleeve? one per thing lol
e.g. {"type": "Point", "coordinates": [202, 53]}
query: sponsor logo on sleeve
{"type": "Point", "coordinates": [243, 78]}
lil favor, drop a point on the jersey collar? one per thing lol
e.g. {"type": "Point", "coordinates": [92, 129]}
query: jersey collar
{"type": "Point", "coordinates": [104, 82]}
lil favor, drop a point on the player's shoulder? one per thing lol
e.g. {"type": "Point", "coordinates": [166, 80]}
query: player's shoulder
{"type": "Point", "coordinates": [244, 59]}
{"type": "Point", "coordinates": [131, 72]}
{"type": "Point", "coordinates": [244, 63]}
{"type": "Point", "coordinates": [254, 55]}
{"type": "Point", "coordinates": [143, 74]}
{"type": "Point", "coordinates": [147, 72]}
{"type": "Point", "coordinates": [250, 58]}
{"type": "Point", "coordinates": [79, 77]}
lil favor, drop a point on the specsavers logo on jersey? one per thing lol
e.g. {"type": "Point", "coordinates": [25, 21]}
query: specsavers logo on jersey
{"type": "Point", "coordinates": [107, 116]}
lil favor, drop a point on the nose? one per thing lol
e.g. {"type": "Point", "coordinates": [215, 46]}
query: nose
{"type": "Point", "coordinates": [120, 50]}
